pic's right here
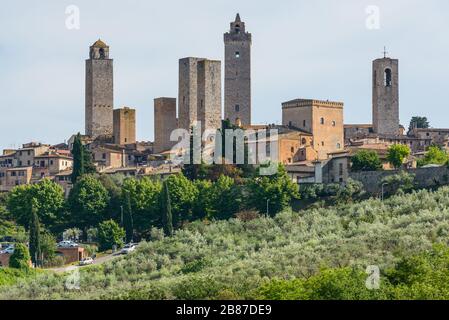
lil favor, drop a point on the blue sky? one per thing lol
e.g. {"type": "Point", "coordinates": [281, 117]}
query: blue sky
{"type": "Point", "coordinates": [318, 49]}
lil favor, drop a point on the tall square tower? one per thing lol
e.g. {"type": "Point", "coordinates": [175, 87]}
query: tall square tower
{"type": "Point", "coordinates": [386, 96]}
{"type": "Point", "coordinates": [165, 122]}
{"type": "Point", "coordinates": [124, 126]}
{"type": "Point", "coordinates": [99, 91]}
{"type": "Point", "coordinates": [237, 96]}
{"type": "Point", "coordinates": [199, 93]}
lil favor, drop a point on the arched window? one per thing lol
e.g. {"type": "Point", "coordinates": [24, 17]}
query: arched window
{"type": "Point", "coordinates": [292, 150]}
{"type": "Point", "coordinates": [303, 141]}
{"type": "Point", "coordinates": [334, 123]}
{"type": "Point", "coordinates": [237, 108]}
{"type": "Point", "coordinates": [322, 120]}
{"type": "Point", "coordinates": [237, 28]}
{"type": "Point", "coordinates": [102, 55]}
{"type": "Point", "coordinates": [387, 78]}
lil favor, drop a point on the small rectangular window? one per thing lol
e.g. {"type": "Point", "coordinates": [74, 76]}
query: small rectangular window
{"type": "Point", "coordinates": [237, 54]}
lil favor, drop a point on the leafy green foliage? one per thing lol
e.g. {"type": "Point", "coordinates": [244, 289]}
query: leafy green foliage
{"type": "Point", "coordinates": [49, 203]}
{"type": "Point", "coordinates": [128, 221]}
{"type": "Point", "coordinates": [20, 259]}
{"type": "Point", "coordinates": [434, 155]}
{"type": "Point", "coordinates": [183, 195]}
{"type": "Point", "coordinates": [88, 201]}
{"type": "Point", "coordinates": [110, 234]}
{"type": "Point", "coordinates": [397, 154]}
{"type": "Point", "coordinates": [329, 284]}
{"type": "Point", "coordinates": [278, 190]}
{"type": "Point", "coordinates": [10, 276]}
{"type": "Point", "coordinates": [113, 184]}
{"type": "Point", "coordinates": [48, 249]}
{"type": "Point", "coordinates": [35, 235]}
{"type": "Point", "coordinates": [227, 198]}
{"type": "Point", "coordinates": [366, 160]}
{"type": "Point", "coordinates": [167, 217]}
{"type": "Point", "coordinates": [331, 246]}
{"type": "Point", "coordinates": [82, 160]}
{"type": "Point", "coordinates": [144, 198]}
{"type": "Point", "coordinates": [418, 122]}
{"type": "Point", "coordinates": [398, 183]}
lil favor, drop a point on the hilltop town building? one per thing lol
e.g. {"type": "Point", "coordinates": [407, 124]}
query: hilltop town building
{"type": "Point", "coordinates": [199, 93]}
{"type": "Point", "coordinates": [31, 163]}
{"type": "Point", "coordinates": [386, 96]}
{"type": "Point", "coordinates": [323, 119]}
{"type": "Point", "coordinates": [124, 126]}
{"type": "Point", "coordinates": [99, 91]}
{"type": "Point", "coordinates": [237, 95]}
{"type": "Point", "coordinates": [165, 122]}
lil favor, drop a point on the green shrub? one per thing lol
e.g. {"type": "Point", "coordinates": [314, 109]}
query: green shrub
{"type": "Point", "coordinates": [9, 276]}
{"type": "Point", "coordinates": [20, 259]}
{"type": "Point", "coordinates": [110, 234]}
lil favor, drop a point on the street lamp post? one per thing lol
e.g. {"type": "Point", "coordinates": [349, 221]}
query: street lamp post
{"type": "Point", "coordinates": [383, 185]}
{"type": "Point", "coordinates": [268, 208]}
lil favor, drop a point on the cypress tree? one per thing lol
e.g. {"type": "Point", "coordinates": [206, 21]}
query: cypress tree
{"type": "Point", "coordinates": [78, 158]}
{"type": "Point", "coordinates": [82, 160]}
{"type": "Point", "coordinates": [167, 217]}
{"type": "Point", "coordinates": [35, 234]}
{"type": "Point", "coordinates": [128, 220]}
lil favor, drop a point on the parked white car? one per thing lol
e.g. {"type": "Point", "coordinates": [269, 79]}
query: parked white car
{"type": "Point", "coordinates": [9, 250]}
{"type": "Point", "coordinates": [67, 244]}
{"type": "Point", "coordinates": [86, 261]}
{"type": "Point", "coordinates": [128, 248]}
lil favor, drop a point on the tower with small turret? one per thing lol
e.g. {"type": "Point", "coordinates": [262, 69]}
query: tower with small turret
{"type": "Point", "coordinates": [237, 83]}
{"type": "Point", "coordinates": [99, 91]}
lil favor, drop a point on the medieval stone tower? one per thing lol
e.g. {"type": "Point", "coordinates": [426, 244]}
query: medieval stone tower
{"type": "Point", "coordinates": [165, 122]}
{"type": "Point", "coordinates": [199, 93]}
{"type": "Point", "coordinates": [124, 126]}
{"type": "Point", "coordinates": [99, 91]}
{"type": "Point", "coordinates": [237, 97]}
{"type": "Point", "coordinates": [386, 96]}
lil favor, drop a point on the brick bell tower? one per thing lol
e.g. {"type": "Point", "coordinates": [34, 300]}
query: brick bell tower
{"type": "Point", "coordinates": [99, 91]}
{"type": "Point", "coordinates": [238, 73]}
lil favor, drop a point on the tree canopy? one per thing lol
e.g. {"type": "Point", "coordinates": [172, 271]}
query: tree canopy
{"type": "Point", "coordinates": [418, 122]}
{"type": "Point", "coordinates": [87, 202]}
{"type": "Point", "coordinates": [82, 160]}
{"type": "Point", "coordinates": [49, 202]}
{"type": "Point", "coordinates": [434, 155]}
{"type": "Point", "coordinates": [366, 160]}
{"type": "Point", "coordinates": [274, 193]}
{"type": "Point", "coordinates": [397, 154]}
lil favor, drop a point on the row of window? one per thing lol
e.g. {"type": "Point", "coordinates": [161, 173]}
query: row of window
{"type": "Point", "coordinates": [13, 174]}
{"type": "Point", "coordinates": [17, 182]}
{"type": "Point", "coordinates": [322, 122]}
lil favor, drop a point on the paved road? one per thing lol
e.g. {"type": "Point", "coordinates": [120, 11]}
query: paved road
{"type": "Point", "coordinates": [97, 261]}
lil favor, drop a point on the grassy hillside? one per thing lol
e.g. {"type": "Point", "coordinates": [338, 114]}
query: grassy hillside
{"type": "Point", "coordinates": [235, 259]}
